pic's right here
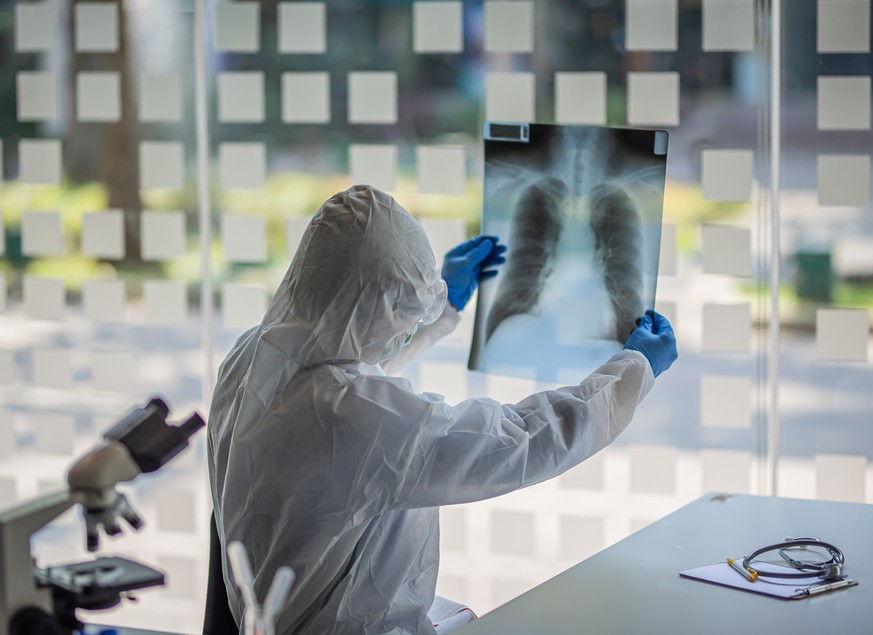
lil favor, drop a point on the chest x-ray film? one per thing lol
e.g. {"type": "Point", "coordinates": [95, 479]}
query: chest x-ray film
{"type": "Point", "coordinates": [580, 211]}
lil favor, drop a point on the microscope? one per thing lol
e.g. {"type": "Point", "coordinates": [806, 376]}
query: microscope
{"type": "Point", "coordinates": [43, 601]}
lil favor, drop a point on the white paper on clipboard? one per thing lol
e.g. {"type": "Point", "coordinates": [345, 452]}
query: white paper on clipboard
{"type": "Point", "coordinates": [786, 589]}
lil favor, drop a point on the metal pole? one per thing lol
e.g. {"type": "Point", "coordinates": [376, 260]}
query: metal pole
{"type": "Point", "coordinates": [775, 247]}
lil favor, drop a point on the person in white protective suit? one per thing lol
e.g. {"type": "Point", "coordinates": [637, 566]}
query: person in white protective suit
{"type": "Point", "coordinates": [319, 460]}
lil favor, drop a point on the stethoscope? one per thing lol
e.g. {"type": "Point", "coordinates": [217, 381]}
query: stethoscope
{"type": "Point", "coordinates": [829, 570]}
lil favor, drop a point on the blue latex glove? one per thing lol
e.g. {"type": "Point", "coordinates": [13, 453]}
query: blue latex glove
{"type": "Point", "coordinates": [654, 338]}
{"type": "Point", "coordinates": [469, 263]}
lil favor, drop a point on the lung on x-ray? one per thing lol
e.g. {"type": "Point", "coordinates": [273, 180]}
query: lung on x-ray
{"type": "Point", "coordinates": [580, 210]}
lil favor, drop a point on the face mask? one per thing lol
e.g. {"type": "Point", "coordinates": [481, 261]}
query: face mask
{"type": "Point", "coordinates": [409, 337]}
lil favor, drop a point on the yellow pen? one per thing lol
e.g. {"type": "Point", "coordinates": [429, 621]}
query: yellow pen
{"type": "Point", "coordinates": [748, 574]}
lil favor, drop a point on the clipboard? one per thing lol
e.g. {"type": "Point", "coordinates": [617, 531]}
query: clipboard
{"type": "Point", "coordinates": [785, 589]}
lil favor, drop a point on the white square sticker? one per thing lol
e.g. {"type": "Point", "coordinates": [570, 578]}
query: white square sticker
{"type": "Point", "coordinates": [166, 303]}
{"type": "Point", "coordinates": [242, 166]}
{"type": "Point", "coordinates": [302, 27]}
{"type": "Point", "coordinates": [176, 510]}
{"type": "Point", "coordinates": [103, 301]}
{"type": "Point", "coordinates": [36, 26]}
{"type": "Point", "coordinates": [441, 169]}
{"type": "Point", "coordinates": [103, 234]}
{"type": "Point", "coordinates": [844, 103]}
{"type": "Point", "coordinates": [843, 26]}
{"type": "Point", "coordinates": [7, 367]}
{"type": "Point", "coordinates": [509, 26]}
{"type": "Point", "coordinates": [305, 97]}
{"type": "Point", "coordinates": [237, 27]}
{"type": "Point", "coordinates": [53, 433]}
{"type": "Point", "coordinates": [653, 99]}
{"type": "Point", "coordinates": [43, 298]}
{"type": "Point", "coordinates": [651, 25]}
{"type": "Point", "coordinates": [727, 250]}
{"type": "Point", "coordinates": [443, 234]}
{"type": "Point", "coordinates": [437, 27]}
{"type": "Point", "coordinates": [244, 237]}
{"type": "Point", "coordinates": [727, 328]}
{"type": "Point", "coordinates": [580, 98]}
{"type": "Point", "coordinates": [653, 469]}
{"type": "Point", "coordinates": [98, 97]}
{"type": "Point", "coordinates": [510, 97]}
{"type": "Point", "coordinates": [728, 25]}
{"type": "Point", "coordinates": [41, 234]}
{"type": "Point", "coordinates": [96, 27]}
{"type": "Point", "coordinates": [242, 305]}
{"type": "Point", "coordinates": [161, 164]}
{"type": "Point", "coordinates": [52, 368]}
{"type": "Point", "coordinates": [8, 435]}
{"type": "Point", "coordinates": [668, 260]}
{"type": "Point", "coordinates": [111, 371]}
{"type": "Point", "coordinates": [844, 180]}
{"type": "Point", "coordinates": [39, 161]}
{"type": "Point", "coordinates": [37, 96]}
{"type": "Point", "coordinates": [726, 471]}
{"type": "Point", "coordinates": [727, 174]}
{"type": "Point", "coordinates": [160, 97]}
{"type": "Point", "coordinates": [373, 97]}
{"type": "Point", "coordinates": [374, 165]}
{"type": "Point", "coordinates": [294, 228]}
{"type": "Point", "coordinates": [840, 477]}
{"type": "Point", "coordinates": [240, 97]}
{"type": "Point", "coordinates": [725, 402]}
{"type": "Point", "coordinates": [162, 235]}
{"type": "Point", "coordinates": [842, 335]}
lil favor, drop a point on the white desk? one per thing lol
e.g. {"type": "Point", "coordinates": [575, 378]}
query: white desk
{"type": "Point", "coordinates": [634, 588]}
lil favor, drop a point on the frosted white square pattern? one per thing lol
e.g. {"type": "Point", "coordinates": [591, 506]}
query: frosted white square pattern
{"type": "Point", "coordinates": [96, 27]}
{"type": "Point", "coordinates": [727, 250]}
{"type": "Point", "coordinates": [441, 169]}
{"type": "Point", "coordinates": [580, 98]}
{"type": "Point", "coordinates": [653, 469]}
{"type": "Point", "coordinates": [302, 27]}
{"type": "Point", "coordinates": [36, 26]}
{"type": "Point", "coordinates": [651, 25]}
{"type": "Point", "coordinates": [372, 97]}
{"type": "Point", "coordinates": [509, 26]}
{"type": "Point", "coordinates": [844, 103]}
{"type": "Point", "coordinates": [294, 228]}
{"type": "Point", "coordinates": [41, 233]}
{"type": "Point", "coordinates": [161, 164]}
{"type": "Point", "coordinates": [725, 402]}
{"type": "Point", "coordinates": [8, 437]}
{"type": "Point", "coordinates": [242, 305]}
{"type": "Point", "coordinates": [53, 433]}
{"type": "Point", "coordinates": [165, 303]}
{"type": "Point", "coordinates": [842, 335]}
{"type": "Point", "coordinates": [726, 471]}
{"type": "Point", "coordinates": [98, 97]}
{"type": "Point", "coordinates": [728, 25]}
{"type": "Point", "coordinates": [305, 97]}
{"type": "Point", "coordinates": [103, 234]}
{"type": "Point", "coordinates": [727, 328]}
{"type": "Point", "coordinates": [43, 298]}
{"type": "Point", "coordinates": [162, 235]}
{"type": "Point", "coordinates": [443, 234]}
{"type": "Point", "coordinates": [39, 161]}
{"type": "Point", "coordinates": [7, 367]}
{"type": "Point", "coordinates": [241, 97]}
{"type": "Point", "coordinates": [176, 510]}
{"type": "Point", "coordinates": [244, 237]}
{"type": "Point", "coordinates": [653, 99]}
{"type": "Point", "coordinates": [437, 27]}
{"type": "Point", "coordinates": [510, 97]}
{"type": "Point", "coordinates": [37, 96]}
{"type": "Point", "coordinates": [841, 477]}
{"type": "Point", "coordinates": [727, 174]}
{"type": "Point", "coordinates": [844, 180]}
{"type": "Point", "coordinates": [667, 262]}
{"type": "Point", "coordinates": [111, 371]}
{"type": "Point", "coordinates": [242, 166]}
{"type": "Point", "coordinates": [581, 536]}
{"type": "Point", "coordinates": [237, 27]}
{"type": "Point", "coordinates": [52, 368]}
{"type": "Point", "coordinates": [374, 165]}
{"type": "Point", "coordinates": [104, 301]}
{"type": "Point", "coordinates": [843, 26]}
{"type": "Point", "coordinates": [512, 533]}
{"type": "Point", "coordinates": [160, 97]}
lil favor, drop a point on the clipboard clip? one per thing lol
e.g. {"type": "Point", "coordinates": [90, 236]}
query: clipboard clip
{"type": "Point", "coordinates": [824, 588]}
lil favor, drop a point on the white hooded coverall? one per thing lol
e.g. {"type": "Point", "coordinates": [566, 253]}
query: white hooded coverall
{"type": "Point", "coordinates": [319, 461]}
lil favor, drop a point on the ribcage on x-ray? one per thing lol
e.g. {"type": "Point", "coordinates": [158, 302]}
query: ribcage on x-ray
{"type": "Point", "coordinates": [619, 242]}
{"type": "Point", "coordinates": [536, 230]}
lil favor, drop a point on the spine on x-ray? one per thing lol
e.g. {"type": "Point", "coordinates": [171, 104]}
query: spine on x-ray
{"type": "Point", "coordinates": [536, 229]}
{"type": "Point", "coordinates": [619, 244]}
